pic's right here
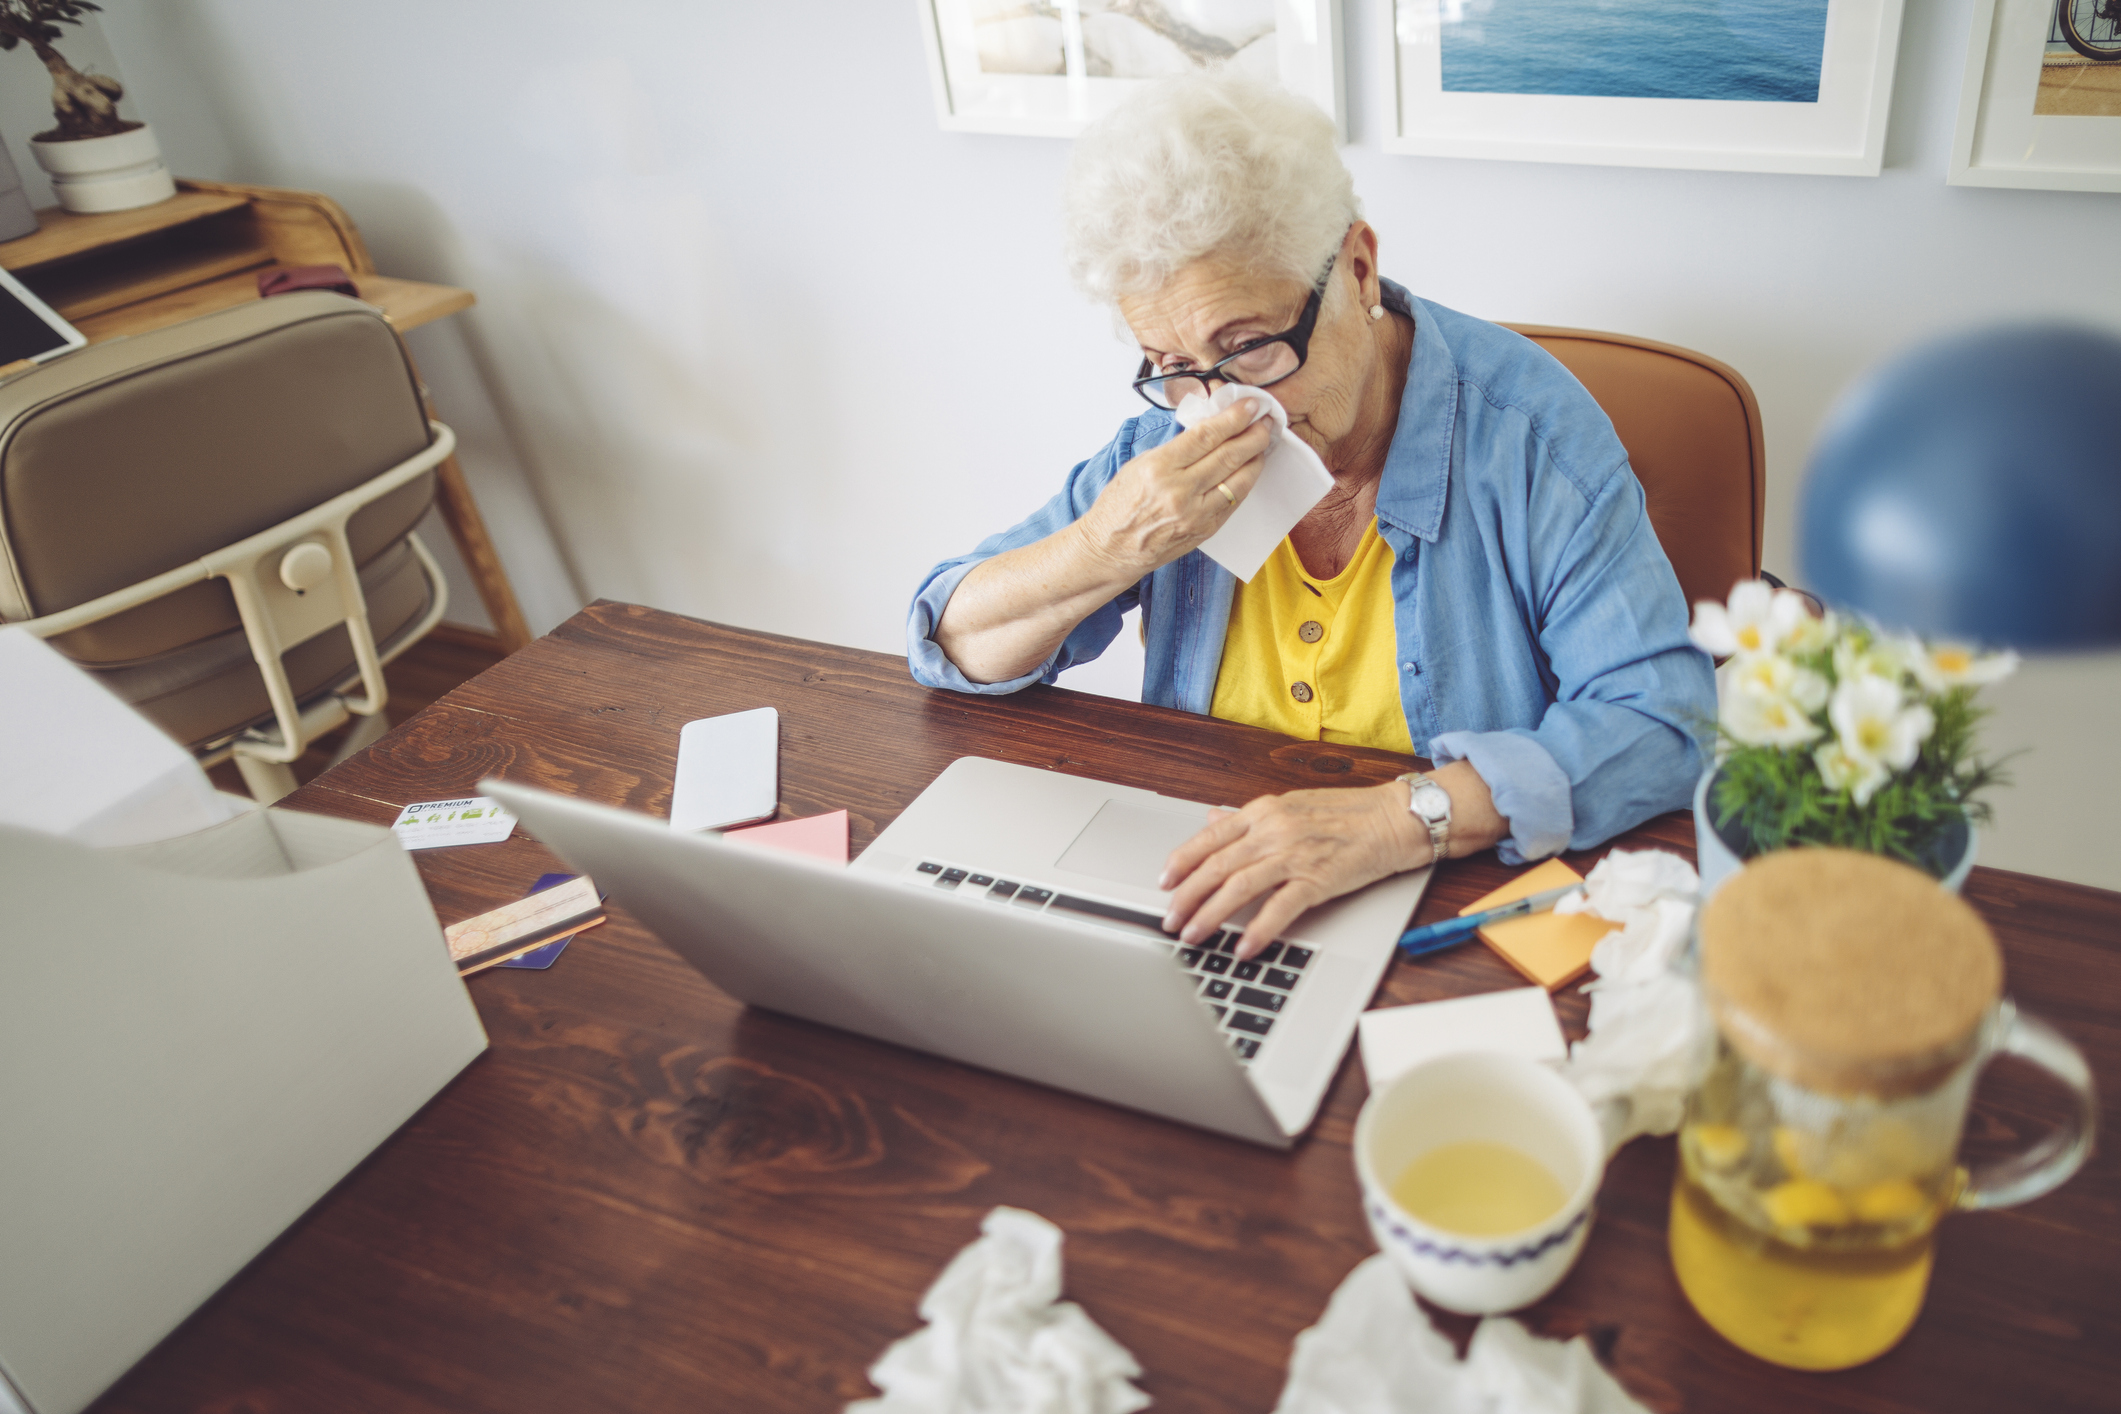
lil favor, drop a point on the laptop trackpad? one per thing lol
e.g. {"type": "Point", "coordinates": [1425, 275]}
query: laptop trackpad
{"type": "Point", "coordinates": [1128, 843]}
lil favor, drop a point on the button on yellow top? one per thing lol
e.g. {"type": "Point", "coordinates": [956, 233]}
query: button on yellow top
{"type": "Point", "coordinates": [1316, 658]}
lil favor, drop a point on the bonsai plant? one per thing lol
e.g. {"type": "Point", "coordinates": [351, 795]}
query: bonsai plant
{"type": "Point", "coordinates": [1834, 732]}
{"type": "Point", "coordinates": [98, 161]}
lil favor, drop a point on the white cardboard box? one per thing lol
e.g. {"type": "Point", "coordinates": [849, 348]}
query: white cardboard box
{"type": "Point", "coordinates": [77, 761]}
{"type": "Point", "coordinates": [198, 1038]}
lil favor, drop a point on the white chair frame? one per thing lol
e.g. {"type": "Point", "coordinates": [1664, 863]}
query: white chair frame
{"type": "Point", "coordinates": [283, 607]}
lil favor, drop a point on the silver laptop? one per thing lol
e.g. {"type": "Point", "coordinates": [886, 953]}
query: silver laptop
{"type": "Point", "coordinates": [1009, 919]}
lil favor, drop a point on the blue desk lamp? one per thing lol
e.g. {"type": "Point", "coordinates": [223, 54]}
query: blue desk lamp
{"type": "Point", "coordinates": [1971, 490]}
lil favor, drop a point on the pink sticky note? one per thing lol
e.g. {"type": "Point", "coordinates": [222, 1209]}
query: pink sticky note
{"type": "Point", "coordinates": [820, 837]}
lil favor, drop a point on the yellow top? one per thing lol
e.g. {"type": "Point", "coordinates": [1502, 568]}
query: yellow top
{"type": "Point", "coordinates": [1316, 658]}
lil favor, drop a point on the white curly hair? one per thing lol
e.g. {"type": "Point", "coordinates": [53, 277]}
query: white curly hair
{"type": "Point", "coordinates": [1204, 164]}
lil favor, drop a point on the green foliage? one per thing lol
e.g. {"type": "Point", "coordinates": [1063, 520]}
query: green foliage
{"type": "Point", "coordinates": [1770, 797]}
{"type": "Point", "coordinates": [38, 21]}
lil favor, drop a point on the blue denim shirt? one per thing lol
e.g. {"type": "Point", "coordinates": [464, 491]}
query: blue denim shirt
{"type": "Point", "coordinates": [1542, 633]}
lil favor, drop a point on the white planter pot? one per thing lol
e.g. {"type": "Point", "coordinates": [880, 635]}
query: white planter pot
{"type": "Point", "coordinates": [1716, 861]}
{"type": "Point", "coordinates": [114, 173]}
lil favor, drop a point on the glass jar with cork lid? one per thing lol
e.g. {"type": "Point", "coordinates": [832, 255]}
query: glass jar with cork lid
{"type": "Point", "coordinates": [1855, 1003]}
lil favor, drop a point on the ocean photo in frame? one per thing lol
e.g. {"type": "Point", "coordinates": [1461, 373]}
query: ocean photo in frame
{"type": "Point", "coordinates": [1731, 85]}
{"type": "Point", "coordinates": [1047, 68]}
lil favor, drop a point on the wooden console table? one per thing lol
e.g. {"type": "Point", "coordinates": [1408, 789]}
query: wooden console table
{"type": "Point", "coordinates": [126, 272]}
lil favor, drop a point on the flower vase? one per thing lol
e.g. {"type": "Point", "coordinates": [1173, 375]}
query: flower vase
{"type": "Point", "coordinates": [1720, 851]}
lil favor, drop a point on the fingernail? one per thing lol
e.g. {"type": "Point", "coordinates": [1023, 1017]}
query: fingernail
{"type": "Point", "coordinates": [1171, 922]}
{"type": "Point", "coordinates": [1163, 880]}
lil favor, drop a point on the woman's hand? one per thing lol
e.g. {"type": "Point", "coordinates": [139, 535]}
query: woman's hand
{"type": "Point", "coordinates": [1166, 501]}
{"type": "Point", "coordinates": [1300, 849]}
{"type": "Point", "coordinates": [1312, 845]}
{"type": "Point", "coordinates": [1011, 612]}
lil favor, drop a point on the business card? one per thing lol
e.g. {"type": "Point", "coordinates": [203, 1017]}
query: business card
{"type": "Point", "coordinates": [434, 823]}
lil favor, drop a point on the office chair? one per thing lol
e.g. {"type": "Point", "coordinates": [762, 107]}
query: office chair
{"type": "Point", "coordinates": [216, 519]}
{"type": "Point", "coordinates": [1692, 431]}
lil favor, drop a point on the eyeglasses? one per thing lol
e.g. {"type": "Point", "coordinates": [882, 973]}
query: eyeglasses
{"type": "Point", "coordinates": [1259, 364]}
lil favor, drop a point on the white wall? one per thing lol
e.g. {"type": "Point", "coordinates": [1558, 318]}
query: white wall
{"type": "Point", "coordinates": [761, 343]}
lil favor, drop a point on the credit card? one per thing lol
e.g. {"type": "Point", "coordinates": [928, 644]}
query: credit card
{"type": "Point", "coordinates": [540, 958]}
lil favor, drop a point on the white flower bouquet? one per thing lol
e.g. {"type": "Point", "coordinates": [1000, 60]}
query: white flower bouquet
{"type": "Point", "coordinates": [1834, 732]}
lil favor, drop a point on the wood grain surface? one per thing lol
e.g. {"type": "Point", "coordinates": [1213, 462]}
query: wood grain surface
{"type": "Point", "coordinates": [62, 235]}
{"type": "Point", "coordinates": [647, 1198]}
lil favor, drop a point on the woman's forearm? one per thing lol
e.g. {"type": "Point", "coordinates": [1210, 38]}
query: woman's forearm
{"type": "Point", "coordinates": [1475, 822]}
{"type": "Point", "coordinates": [1010, 613]}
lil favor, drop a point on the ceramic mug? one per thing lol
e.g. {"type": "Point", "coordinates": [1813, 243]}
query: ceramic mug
{"type": "Point", "coordinates": [1500, 1099]}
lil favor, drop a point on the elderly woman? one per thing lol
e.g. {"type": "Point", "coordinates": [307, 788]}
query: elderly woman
{"type": "Point", "coordinates": [1481, 585]}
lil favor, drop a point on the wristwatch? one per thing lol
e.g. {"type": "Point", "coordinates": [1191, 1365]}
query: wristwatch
{"type": "Point", "coordinates": [1431, 804]}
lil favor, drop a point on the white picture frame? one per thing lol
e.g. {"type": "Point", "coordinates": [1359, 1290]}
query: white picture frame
{"type": "Point", "coordinates": [1841, 134]}
{"type": "Point", "coordinates": [1999, 140]}
{"type": "Point", "coordinates": [1307, 43]}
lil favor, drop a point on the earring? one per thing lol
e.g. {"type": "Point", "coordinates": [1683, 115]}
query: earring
{"type": "Point", "coordinates": [1377, 311]}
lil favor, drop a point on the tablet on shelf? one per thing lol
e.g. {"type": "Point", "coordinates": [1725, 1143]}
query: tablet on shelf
{"type": "Point", "coordinates": [30, 330]}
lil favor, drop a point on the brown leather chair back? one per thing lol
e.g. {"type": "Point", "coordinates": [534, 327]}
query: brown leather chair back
{"type": "Point", "coordinates": [132, 457]}
{"type": "Point", "coordinates": [1692, 431]}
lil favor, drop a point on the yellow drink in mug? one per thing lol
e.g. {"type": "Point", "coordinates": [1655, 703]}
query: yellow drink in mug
{"type": "Point", "coordinates": [1856, 1003]}
{"type": "Point", "coordinates": [1479, 1188]}
{"type": "Point", "coordinates": [1478, 1172]}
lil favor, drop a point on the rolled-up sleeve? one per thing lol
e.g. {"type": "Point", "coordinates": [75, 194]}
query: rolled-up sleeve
{"type": "Point", "coordinates": [1530, 789]}
{"type": "Point", "coordinates": [1632, 697]}
{"type": "Point", "coordinates": [931, 667]}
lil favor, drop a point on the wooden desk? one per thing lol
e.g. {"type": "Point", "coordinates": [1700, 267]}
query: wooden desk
{"type": "Point", "coordinates": [646, 1198]}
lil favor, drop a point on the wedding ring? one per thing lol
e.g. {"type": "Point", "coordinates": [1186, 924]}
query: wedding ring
{"type": "Point", "coordinates": [1226, 493]}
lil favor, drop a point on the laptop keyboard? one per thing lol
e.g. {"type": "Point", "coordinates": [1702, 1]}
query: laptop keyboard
{"type": "Point", "coordinates": [1245, 997]}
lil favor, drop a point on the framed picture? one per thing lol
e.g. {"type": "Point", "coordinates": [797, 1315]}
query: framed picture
{"type": "Point", "coordinates": [2040, 105]}
{"type": "Point", "coordinates": [1045, 68]}
{"type": "Point", "coordinates": [1735, 85]}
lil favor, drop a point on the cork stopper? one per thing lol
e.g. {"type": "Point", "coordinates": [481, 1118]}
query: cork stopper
{"type": "Point", "coordinates": [1847, 973]}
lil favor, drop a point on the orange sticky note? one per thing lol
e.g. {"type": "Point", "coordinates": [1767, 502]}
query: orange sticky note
{"type": "Point", "coordinates": [1552, 949]}
{"type": "Point", "coordinates": [820, 836]}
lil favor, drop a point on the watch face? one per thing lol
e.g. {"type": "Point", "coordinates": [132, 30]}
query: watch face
{"type": "Point", "coordinates": [1432, 801]}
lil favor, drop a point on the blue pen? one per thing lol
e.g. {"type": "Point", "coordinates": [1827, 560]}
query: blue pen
{"type": "Point", "coordinates": [1435, 937]}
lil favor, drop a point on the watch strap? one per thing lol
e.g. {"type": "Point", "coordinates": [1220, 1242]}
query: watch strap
{"type": "Point", "coordinates": [1439, 829]}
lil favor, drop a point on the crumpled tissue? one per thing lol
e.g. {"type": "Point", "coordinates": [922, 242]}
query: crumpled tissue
{"type": "Point", "coordinates": [1649, 1036]}
{"type": "Point", "coordinates": [1374, 1352]}
{"type": "Point", "coordinates": [1000, 1341]}
{"type": "Point", "coordinates": [1292, 481]}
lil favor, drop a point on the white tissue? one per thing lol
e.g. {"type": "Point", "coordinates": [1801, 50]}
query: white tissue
{"type": "Point", "coordinates": [1632, 878]}
{"type": "Point", "coordinates": [1374, 1352]}
{"type": "Point", "coordinates": [1517, 1372]}
{"type": "Point", "coordinates": [1292, 481]}
{"type": "Point", "coordinates": [1648, 1034]}
{"type": "Point", "coordinates": [1000, 1341]}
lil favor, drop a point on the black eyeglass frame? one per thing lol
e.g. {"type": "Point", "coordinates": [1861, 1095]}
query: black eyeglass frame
{"type": "Point", "coordinates": [1297, 336]}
